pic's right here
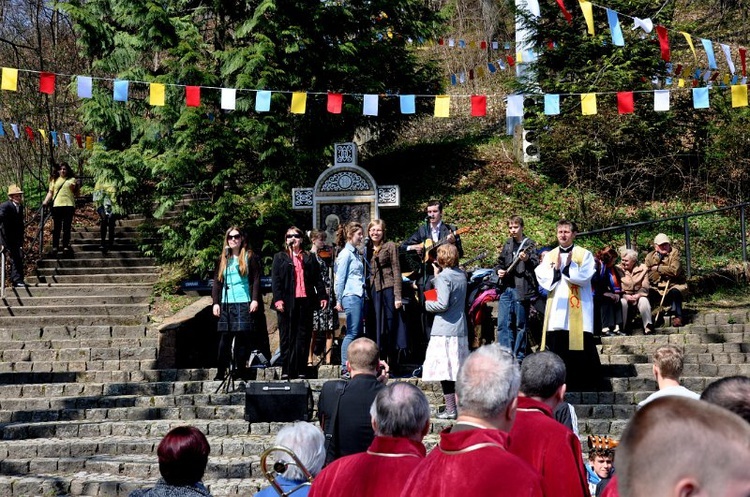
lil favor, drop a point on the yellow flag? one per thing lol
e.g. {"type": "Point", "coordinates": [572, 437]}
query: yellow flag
{"type": "Point", "coordinates": [689, 40]}
{"type": "Point", "coordinates": [588, 13]}
{"type": "Point", "coordinates": [588, 104]}
{"type": "Point", "coordinates": [299, 102]}
{"type": "Point", "coordinates": [519, 57]}
{"type": "Point", "coordinates": [480, 72]}
{"type": "Point", "coordinates": [43, 133]}
{"type": "Point", "coordinates": [681, 83]}
{"type": "Point", "coordinates": [739, 95]}
{"type": "Point", "coordinates": [89, 143]}
{"type": "Point", "coordinates": [9, 79]}
{"type": "Point", "coordinates": [442, 106]}
{"type": "Point", "coordinates": [156, 94]}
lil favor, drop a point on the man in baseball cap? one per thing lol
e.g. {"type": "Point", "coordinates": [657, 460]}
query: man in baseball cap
{"type": "Point", "coordinates": [666, 275]}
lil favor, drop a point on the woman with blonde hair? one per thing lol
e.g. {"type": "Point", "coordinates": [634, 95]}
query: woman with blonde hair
{"type": "Point", "coordinates": [449, 337]}
{"type": "Point", "coordinates": [235, 295]}
{"type": "Point", "coordinates": [385, 280]}
{"type": "Point", "coordinates": [350, 284]}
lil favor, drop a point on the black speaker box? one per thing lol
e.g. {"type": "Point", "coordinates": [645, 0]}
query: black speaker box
{"type": "Point", "coordinates": [278, 401]}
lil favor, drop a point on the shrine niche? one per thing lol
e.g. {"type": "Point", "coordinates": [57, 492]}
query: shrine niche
{"type": "Point", "coordinates": [344, 192]}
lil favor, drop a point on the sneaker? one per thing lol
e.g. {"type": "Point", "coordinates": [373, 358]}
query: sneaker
{"type": "Point", "coordinates": [21, 283]}
{"type": "Point", "coordinates": [606, 332]}
{"type": "Point", "coordinates": [648, 329]}
{"type": "Point", "coordinates": [446, 415]}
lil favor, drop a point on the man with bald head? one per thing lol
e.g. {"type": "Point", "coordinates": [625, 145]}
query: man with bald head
{"type": "Point", "coordinates": [681, 447]}
{"type": "Point", "coordinates": [472, 457]}
{"type": "Point", "coordinates": [344, 406]}
{"type": "Point", "coordinates": [401, 419]}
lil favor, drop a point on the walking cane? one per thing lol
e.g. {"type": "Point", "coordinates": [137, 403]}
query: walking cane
{"type": "Point", "coordinates": [661, 304]}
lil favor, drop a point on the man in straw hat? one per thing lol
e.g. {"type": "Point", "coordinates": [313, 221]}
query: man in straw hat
{"type": "Point", "coordinates": [12, 232]}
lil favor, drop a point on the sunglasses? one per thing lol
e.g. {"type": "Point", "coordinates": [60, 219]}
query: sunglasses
{"type": "Point", "coordinates": [234, 237]}
{"type": "Point", "coordinates": [294, 236]}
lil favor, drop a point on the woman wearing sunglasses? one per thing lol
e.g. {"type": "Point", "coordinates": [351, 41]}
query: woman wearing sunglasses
{"type": "Point", "coordinates": [297, 290]}
{"type": "Point", "coordinates": [235, 294]}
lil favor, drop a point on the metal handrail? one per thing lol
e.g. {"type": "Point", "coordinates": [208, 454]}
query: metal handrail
{"type": "Point", "coordinates": [627, 228]}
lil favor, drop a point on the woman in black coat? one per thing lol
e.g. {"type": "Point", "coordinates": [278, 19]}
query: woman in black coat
{"type": "Point", "coordinates": [295, 303]}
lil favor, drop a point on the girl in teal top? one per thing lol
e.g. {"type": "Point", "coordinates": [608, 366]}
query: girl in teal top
{"type": "Point", "coordinates": [235, 294]}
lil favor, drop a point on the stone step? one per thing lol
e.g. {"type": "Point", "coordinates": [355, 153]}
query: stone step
{"type": "Point", "coordinates": [130, 310]}
{"type": "Point", "coordinates": [65, 289]}
{"type": "Point", "coordinates": [67, 332]}
{"type": "Point", "coordinates": [715, 358]}
{"type": "Point", "coordinates": [95, 252]}
{"type": "Point", "coordinates": [68, 301]}
{"type": "Point", "coordinates": [736, 333]}
{"type": "Point", "coordinates": [112, 365]}
{"type": "Point", "coordinates": [95, 262]}
{"type": "Point", "coordinates": [35, 322]}
{"type": "Point", "coordinates": [90, 355]}
{"type": "Point", "coordinates": [689, 348]}
{"type": "Point", "coordinates": [85, 279]}
{"type": "Point", "coordinates": [87, 484]}
{"type": "Point", "coordinates": [95, 270]}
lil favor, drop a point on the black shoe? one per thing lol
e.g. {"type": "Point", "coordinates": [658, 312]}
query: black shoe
{"type": "Point", "coordinates": [220, 375]}
{"type": "Point", "coordinates": [21, 283]}
{"type": "Point", "coordinates": [284, 377]}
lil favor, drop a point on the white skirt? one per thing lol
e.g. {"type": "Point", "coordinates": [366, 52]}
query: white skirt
{"type": "Point", "coordinates": [443, 357]}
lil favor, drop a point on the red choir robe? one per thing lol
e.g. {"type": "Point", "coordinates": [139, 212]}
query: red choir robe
{"type": "Point", "coordinates": [381, 471]}
{"type": "Point", "coordinates": [473, 463]}
{"type": "Point", "coordinates": [550, 448]}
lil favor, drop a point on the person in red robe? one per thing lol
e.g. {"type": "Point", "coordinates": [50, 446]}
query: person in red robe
{"type": "Point", "coordinates": [400, 419]}
{"type": "Point", "coordinates": [472, 457]}
{"type": "Point", "coordinates": [540, 440]}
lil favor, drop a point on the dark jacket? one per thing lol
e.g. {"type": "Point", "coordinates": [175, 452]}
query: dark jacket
{"type": "Point", "coordinates": [11, 224]}
{"type": "Point", "coordinates": [522, 277]}
{"type": "Point", "coordinates": [163, 489]}
{"type": "Point", "coordinates": [425, 233]}
{"type": "Point", "coordinates": [282, 279]}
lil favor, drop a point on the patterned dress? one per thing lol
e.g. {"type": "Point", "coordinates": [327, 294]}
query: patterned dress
{"type": "Point", "coordinates": [325, 320]}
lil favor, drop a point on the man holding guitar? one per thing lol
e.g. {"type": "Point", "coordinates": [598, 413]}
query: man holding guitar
{"type": "Point", "coordinates": [432, 233]}
{"type": "Point", "coordinates": [515, 269]}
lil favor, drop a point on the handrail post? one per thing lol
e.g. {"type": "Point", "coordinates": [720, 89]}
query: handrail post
{"type": "Point", "coordinates": [744, 235]}
{"type": "Point", "coordinates": [627, 237]}
{"type": "Point", "coordinates": [686, 229]}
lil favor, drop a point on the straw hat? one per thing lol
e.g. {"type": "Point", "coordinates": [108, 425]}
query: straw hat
{"type": "Point", "coordinates": [14, 190]}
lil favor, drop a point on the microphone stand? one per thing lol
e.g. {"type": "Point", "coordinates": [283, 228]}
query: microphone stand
{"type": "Point", "coordinates": [228, 381]}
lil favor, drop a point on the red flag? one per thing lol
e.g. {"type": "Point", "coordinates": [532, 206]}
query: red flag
{"type": "Point", "coordinates": [47, 83]}
{"type": "Point", "coordinates": [743, 58]}
{"type": "Point", "coordinates": [29, 132]}
{"type": "Point", "coordinates": [565, 12]}
{"type": "Point", "coordinates": [510, 60]}
{"type": "Point", "coordinates": [478, 105]}
{"type": "Point", "coordinates": [335, 101]}
{"type": "Point", "coordinates": [625, 102]}
{"type": "Point", "coordinates": [193, 96]}
{"type": "Point", "coordinates": [483, 45]}
{"type": "Point", "coordinates": [441, 41]}
{"type": "Point", "coordinates": [79, 141]}
{"type": "Point", "coordinates": [661, 31]}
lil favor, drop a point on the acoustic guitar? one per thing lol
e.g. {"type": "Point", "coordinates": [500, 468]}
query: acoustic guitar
{"type": "Point", "coordinates": [430, 246]}
{"type": "Point", "coordinates": [509, 270]}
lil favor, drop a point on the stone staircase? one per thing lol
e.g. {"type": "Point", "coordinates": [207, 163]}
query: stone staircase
{"type": "Point", "coordinates": [86, 395]}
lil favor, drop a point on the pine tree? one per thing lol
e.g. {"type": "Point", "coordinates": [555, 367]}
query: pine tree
{"type": "Point", "coordinates": [244, 162]}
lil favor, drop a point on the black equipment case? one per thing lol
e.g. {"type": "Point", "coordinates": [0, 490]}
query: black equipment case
{"type": "Point", "coordinates": [278, 401]}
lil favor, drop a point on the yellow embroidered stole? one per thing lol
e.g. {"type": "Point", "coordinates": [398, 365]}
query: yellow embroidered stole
{"type": "Point", "coordinates": [575, 311]}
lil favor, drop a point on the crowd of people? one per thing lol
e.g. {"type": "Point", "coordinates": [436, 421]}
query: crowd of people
{"type": "Point", "coordinates": [505, 441]}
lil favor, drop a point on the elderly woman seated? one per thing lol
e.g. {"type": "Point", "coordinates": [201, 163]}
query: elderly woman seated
{"type": "Point", "coordinates": [635, 288]}
{"type": "Point", "coordinates": [307, 442]}
{"type": "Point", "coordinates": [183, 455]}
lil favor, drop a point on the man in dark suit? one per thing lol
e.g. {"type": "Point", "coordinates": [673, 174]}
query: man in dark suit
{"type": "Point", "coordinates": [344, 406]}
{"type": "Point", "coordinates": [431, 233]}
{"type": "Point", "coordinates": [12, 233]}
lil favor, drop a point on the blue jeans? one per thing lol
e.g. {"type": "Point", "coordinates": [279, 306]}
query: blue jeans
{"type": "Point", "coordinates": [508, 335]}
{"type": "Point", "coordinates": [354, 307]}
